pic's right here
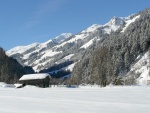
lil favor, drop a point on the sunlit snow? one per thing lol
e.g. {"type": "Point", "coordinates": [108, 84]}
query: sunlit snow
{"type": "Point", "coordinates": [77, 37]}
{"type": "Point", "coordinates": [92, 28]}
{"type": "Point", "coordinates": [21, 49]}
{"type": "Point", "coordinates": [49, 53]}
{"type": "Point", "coordinates": [141, 67]}
{"type": "Point", "coordinates": [113, 24]}
{"type": "Point", "coordinates": [85, 99]}
{"type": "Point", "coordinates": [128, 22]}
{"type": "Point", "coordinates": [68, 57]}
{"type": "Point", "coordinates": [70, 67]}
{"type": "Point", "coordinates": [86, 45]}
{"type": "Point", "coordinates": [34, 76]}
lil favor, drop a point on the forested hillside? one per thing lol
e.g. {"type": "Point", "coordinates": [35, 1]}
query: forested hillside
{"type": "Point", "coordinates": [10, 69]}
{"type": "Point", "coordinates": [111, 61]}
{"type": "Point", "coordinates": [101, 54]}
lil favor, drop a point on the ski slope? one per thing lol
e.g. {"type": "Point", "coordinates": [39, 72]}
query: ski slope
{"type": "Point", "coordinates": [75, 100]}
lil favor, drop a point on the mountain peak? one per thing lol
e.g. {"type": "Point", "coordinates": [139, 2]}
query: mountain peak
{"type": "Point", "coordinates": [62, 37]}
{"type": "Point", "coordinates": [92, 28]}
{"type": "Point", "coordinates": [21, 49]}
{"type": "Point", "coordinates": [116, 21]}
{"type": "Point", "coordinates": [113, 24]}
{"type": "Point", "coordinates": [59, 38]}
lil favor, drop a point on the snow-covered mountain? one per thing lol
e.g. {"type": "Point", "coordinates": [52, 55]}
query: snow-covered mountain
{"type": "Point", "coordinates": [34, 53]}
{"type": "Point", "coordinates": [141, 69]}
{"type": "Point", "coordinates": [51, 42]}
{"type": "Point", "coordinates": [66, 49]}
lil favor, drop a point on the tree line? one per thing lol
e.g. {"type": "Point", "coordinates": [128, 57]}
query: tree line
{"type": "Point", "coordinates": [112, 59]}
{"type": "Point", "coordinates": [10, 69]}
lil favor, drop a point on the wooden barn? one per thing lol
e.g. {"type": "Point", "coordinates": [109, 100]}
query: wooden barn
{"type": "Point", "coordinates": [40, 79]}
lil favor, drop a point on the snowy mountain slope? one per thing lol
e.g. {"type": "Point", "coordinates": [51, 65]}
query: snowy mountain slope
{"type": "Point", "coordinates": [112, 59]}
{"type": "Point", "coordinates": [113, 24]}
{"type": "Point", "coordinates": [141, 70]}
{"type": "Point", "coordinates": [65, 47]}
{"type": "Point", "coordinates": [40, 51]}
{"type": "Point", "coordinates": [21, 49]}
{"type": "Point", "coordinates": [59, 38]}
{"type": "Point", "coordinates": [38, 46]}
{"type": "Point", "coordinates": [91, 28]}
{"type": "Point", "coordinates": [129, 21]}
{"type": "Point", "coordinates": [86, 45]}
{"type": "Point", "coordinates": [81, 36]}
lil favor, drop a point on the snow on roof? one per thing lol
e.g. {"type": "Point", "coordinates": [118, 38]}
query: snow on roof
{"type": "Point", "coordinates": [34, 76]}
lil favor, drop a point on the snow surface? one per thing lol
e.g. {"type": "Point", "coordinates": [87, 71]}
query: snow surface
{"type": "Point", "coordinates": [62, 37]}
{"type": "Point", "coordinates": [92, 28]}
{"type": "Point", "coordinates": [85, 99]}
{"type": "Point", "coordinates": [75, 39]}
{"type": "Point", "coordinates": [113, 24]}
{"type": "Point", "coordinates": [110, 28]}
{"type": "Point", "coordinates": [128, 22]}
{"type": "Point", "coordinates": [34, 76]}
{"type": "Point", "coordinates": [49, 53]}
{"type": "Point", "coordinates": [2, 83]}
{"type": "Point", "coordinates": [59, 38]}
{"type": "Point", "coordinates": [68, 57]}
{"type": "Point", "coordinates": [142, 67]}
{"type": "Point", "coordinates": [21, 49]}
{"type": "Point", "coordinates": [35, 67]}
{"type": "Point", "coordinates": [70, 67]}
{"type": "Point", "coordinates": [8, 86]}
{"type": "Point", "coordinates": [81, 35]}
{"type": "Point", "coordinates": [86, 45]}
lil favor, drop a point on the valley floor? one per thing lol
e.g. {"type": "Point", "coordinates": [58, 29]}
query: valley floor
{"type": "Point", "coordinates": [128, 99]}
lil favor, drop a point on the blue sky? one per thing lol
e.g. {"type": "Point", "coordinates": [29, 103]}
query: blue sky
{"type": "Point", "coordinates": [23, 22]}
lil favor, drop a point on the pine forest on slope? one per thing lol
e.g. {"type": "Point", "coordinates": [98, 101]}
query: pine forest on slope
{"type": "Point", "coordinates": [10, 69]}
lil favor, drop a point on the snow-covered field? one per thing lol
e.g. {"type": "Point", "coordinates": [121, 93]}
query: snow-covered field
{"type": "Point", "coordinates": [85, 99]}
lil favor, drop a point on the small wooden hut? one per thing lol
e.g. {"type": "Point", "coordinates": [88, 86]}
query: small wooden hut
{"type": "Point", "coordinates": [40, 79]}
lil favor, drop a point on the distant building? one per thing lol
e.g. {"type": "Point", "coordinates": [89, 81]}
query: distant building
{"type": "Point", "coordinates": [40, 79]}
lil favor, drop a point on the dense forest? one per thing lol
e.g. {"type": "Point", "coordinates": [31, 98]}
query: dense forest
{"type": "Point", "coordinates": [10, 69]}
{"type": "Point", "coordinates": [111, 61]}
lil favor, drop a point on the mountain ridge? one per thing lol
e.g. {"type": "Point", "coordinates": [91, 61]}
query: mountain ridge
{"type": "Point", "coordinates": [122, 58]}
{"type": "Point", "coordinates": [55, 56]}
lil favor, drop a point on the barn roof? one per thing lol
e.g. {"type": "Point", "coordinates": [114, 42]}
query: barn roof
{"type": "Point", "coordinates": [34, 76]}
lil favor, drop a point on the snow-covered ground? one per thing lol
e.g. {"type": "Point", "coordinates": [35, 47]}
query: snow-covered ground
{"type": "Point", "coordinates": [85, 99]}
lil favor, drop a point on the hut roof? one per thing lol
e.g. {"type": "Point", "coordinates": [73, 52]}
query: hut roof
{"type": "Point", "coordinates": [35, 76]}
